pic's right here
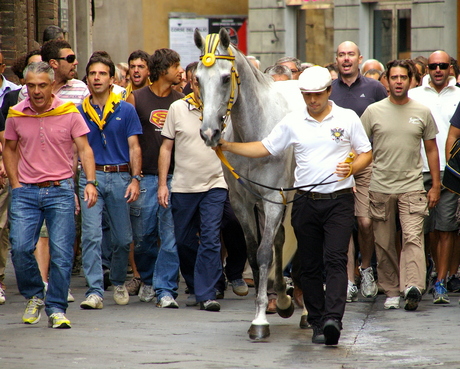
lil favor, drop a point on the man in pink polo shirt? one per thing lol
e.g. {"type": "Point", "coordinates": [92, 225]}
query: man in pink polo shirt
{"type": "Point", "coordinates": [38, 156]}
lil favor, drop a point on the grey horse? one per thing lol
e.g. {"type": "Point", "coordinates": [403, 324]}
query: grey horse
{"type": "Point", "coordinates": [255, 107]}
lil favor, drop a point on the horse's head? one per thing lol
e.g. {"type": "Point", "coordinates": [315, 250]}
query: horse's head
{"type": "Point", "coordinates": [217, 80]}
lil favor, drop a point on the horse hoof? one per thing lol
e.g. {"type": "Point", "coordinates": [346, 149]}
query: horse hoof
{"type": "Point", "coordinates": [286, 313]}
{"type": "Point", "coordinates": [259, 332]}
{"type": "Point", "coordinates": [304, 323]}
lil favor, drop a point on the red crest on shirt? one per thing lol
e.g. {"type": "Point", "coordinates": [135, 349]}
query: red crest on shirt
{"type": "Point", "coordinates": [156, 115]}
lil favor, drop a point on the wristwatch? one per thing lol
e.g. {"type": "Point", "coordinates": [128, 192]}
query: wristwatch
{"type": "Point", "coordinates": [94, 183]}
{"type": "Point", "coordinates": [138, 177]}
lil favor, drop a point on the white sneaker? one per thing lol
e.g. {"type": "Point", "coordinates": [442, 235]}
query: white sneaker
{"type": "Point", "coordinates": [120, 295]}
{"type": "Point", "coordinates": [167, 302]}
{"type": "Point", "coordinates": [191, 300]}
{"type": "Point", "coordinates": [93, 301]}
{"type": "Point", "coordinates": [146, 293]}
{"type": "Point", "coordinates": [368, 286]}
{"type": "Point", "coordinates": [391, 303]}
{"type": "Point", "coordinates": [70, 297]}
{"type": "Point", "coordinates": [352, 292]}
{"type": "Point", "coordinates": [2, 296]}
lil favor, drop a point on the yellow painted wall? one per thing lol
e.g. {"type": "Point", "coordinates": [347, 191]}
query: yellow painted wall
{"type": "Point", "coordinates": [156, 16]}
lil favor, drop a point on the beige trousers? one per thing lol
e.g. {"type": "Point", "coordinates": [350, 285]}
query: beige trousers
{"type": "Point", "coordinates": [395, 276]}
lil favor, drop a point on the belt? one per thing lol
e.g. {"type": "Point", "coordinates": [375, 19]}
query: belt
{"type": "Point", "coordinates": [47, 184]}
{"type": "Point", "coordinates": [325, 196]}
{"type": "Point", "coordinates": [113, 168]}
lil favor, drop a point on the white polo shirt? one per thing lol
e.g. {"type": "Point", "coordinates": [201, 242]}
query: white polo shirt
{"type": "Point", "coordinates": [319, 146]}
{"type": "Point", "coordinates": [442, 106]}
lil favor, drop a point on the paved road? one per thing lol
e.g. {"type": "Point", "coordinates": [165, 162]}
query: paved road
{"type": "Point", "coordinates": [139, 335]}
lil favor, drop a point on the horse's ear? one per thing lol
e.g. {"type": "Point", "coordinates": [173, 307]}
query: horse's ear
{"type": "Point", "coordinates": [224, 38]}
{"type": "Point", "coordinates": [199, 40]}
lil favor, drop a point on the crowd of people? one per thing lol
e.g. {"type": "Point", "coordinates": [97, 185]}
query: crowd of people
{"type": "Point", "coordinates": [112, 168]}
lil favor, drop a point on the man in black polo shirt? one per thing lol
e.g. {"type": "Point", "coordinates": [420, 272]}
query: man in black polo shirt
{"type": "Point", "coordinates": [353, 91]}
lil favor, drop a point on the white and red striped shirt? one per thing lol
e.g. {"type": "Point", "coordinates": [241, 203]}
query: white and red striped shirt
{"type": "Point", "coordinates": [74, 90]}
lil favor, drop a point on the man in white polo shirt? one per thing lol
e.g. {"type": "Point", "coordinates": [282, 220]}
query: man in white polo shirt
{"type": "Point", "coordinates": [323, 134]}
{"type": "Point", "coordinates": [439, 93]}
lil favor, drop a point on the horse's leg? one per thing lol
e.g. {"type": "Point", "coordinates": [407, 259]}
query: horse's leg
{"type": "Point", "coordinates": [284, 304]}
{"type": "Point", "coordinates": [304, 319]}
{"type": "Point", "coordinates": [259, 328]}
{"type": "Point", "coordinates": [273, 215]}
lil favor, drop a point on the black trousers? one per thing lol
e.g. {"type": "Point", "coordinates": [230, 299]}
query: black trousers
{"type": "Point", "coordinates": [323, 229]}
{"type": "Point", "coordinates": [235, 243]}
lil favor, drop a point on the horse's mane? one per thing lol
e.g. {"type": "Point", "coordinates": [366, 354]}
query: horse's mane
{"type": "Point", "coordinates": [260, 77]}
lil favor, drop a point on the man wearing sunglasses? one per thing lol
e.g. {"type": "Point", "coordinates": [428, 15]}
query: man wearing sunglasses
{"type": "Point", "coordinates": [439, 93]}
{"type": "Point", "coordinates": [59, 55]}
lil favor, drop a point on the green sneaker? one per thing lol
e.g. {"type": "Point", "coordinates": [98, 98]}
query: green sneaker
{"type": "Point", "coordinates": [33, 310]}
{"type": "Point", "coordinates": [58, 320]}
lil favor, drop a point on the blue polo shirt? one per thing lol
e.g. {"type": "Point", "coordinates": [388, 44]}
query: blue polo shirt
{"type": "Point", "coordinates": [363, 92]}
{"type": "Point", "coordinates": [110, 145]}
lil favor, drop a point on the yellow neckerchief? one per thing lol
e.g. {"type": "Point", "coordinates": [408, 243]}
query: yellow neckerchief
{"type": "Point", "coordinates": [110, 105]}
{"type": "Point", "coordinates": [129, 89]}
{"type": "Point", "coordinates": [66, 108]}
{"type": "Point", "coordinates": [193, 100]}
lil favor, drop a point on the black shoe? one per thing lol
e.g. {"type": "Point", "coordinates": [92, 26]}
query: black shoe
{"type": "Point", "coordinates": [219, 294]}
{"type": "Point", "coordinates": [318, 336]}
{"type": "Point", "coordinates": [412, 296]}
{"type": "Point", "coordinates": [107, 283]}
{"type": "Point", "coordinates": [428, 281]}
{"type": "Point", "coordinates": [210, 305]}
{"type": "Point", "coordinates": [453, 284]}
{"type": "Point", "coordinates": [331, 331]}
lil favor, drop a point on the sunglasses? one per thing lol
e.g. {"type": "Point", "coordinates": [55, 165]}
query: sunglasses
{"type": "Point", "coordinates": [71, 58]}
{"type": "Point", "coordinates": [443, 66]}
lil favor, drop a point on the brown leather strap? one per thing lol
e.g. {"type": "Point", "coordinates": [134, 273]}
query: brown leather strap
{"type": "Point", "coordinates": [48, 184]}
{"type": "Point", "coordinates": [113, 168]}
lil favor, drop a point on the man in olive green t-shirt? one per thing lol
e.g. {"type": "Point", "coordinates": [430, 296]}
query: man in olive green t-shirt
{"type": "Point", "coordinates": [397, 125]}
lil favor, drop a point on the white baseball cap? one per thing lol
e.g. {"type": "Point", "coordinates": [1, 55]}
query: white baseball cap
{"type": "Point", "coordinates": [314, 79]}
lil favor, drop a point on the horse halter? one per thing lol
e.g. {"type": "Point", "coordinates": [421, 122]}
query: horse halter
{"type": "Point", "coordinates": [209, 58]}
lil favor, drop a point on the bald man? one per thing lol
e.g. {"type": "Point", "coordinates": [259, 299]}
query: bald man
{"type": "Point", "coordinates": [372, 64]}
{"type": "Point", "coordinates": [353, 91]}
{"type": "Point", "coordinates": [439, 92]}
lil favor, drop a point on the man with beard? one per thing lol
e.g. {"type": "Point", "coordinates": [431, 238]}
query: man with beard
{"type": "Point", "coordinates": [353, 91]}
{"type": "Point", "coordinates": [157, 268]}
{"type": "Point", "coordinates": [397, 125]}
{"type": "Point", "coordinates": [138, 71]}
{"type": "Point", "coordinates": [59, 55]}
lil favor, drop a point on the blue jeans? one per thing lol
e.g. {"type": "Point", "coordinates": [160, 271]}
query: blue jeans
{"type": "Point", "coordinates": [30, 205]}
{"type": "Point", "coordinates": [157, 266]}
{"type": "Point", "coordinates": [111, 191]}
{"type": "Point", "coordinates": [200, 262]}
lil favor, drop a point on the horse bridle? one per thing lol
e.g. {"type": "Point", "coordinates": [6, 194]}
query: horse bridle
{"type": "Point", "coordinates": [209, 58]}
